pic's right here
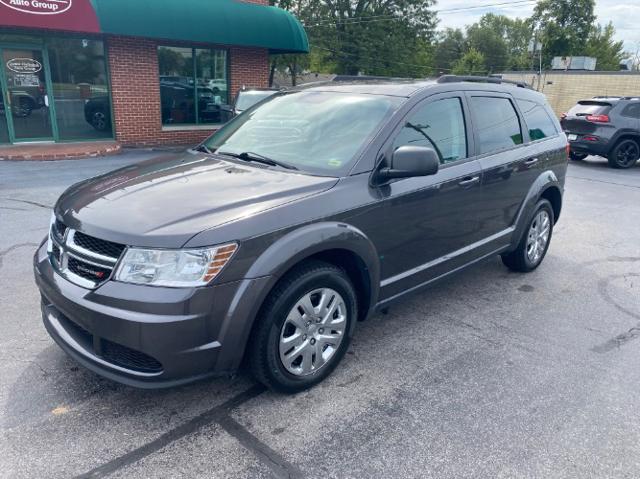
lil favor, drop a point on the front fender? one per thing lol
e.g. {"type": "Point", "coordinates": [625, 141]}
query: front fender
{"type": "Point", "coordinates": [316, 238]}
{"type": "Point", "coordinates": [279, 258]}
{"type": "Point", "coordinates": [545, 180]}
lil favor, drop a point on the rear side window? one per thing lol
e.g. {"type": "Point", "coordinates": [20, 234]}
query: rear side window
{"type": "Point", "coordinates": [438, 125]}
{"type": "Point", "coordinates": [590, 107]}
{"type": "Point", "coordinates": [497, 123]}
{"type": "Point", "coordinates": [537, 119]}
{"type": "Point", "coordinates": [632, 110]}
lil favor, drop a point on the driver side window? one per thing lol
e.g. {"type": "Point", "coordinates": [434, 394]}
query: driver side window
{"type": "Point", "coordinates": [438, 125]}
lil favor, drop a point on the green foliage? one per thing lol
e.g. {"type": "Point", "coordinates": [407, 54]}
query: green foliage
{"type": "Point", "coordinates": [601, 45]}
{"type": "Point", "coordinates": [472, 63]}
{"type": "Point", "coordinates": [399, 38]}
{"type": "Point", "coordinates": [564, 26]}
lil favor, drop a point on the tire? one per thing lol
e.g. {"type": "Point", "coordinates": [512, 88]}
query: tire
{"type": "Point", "coordinates": [284, 351]}
{"type": "Point", "coordinates": [99, 120]}
{"type": "Point", "coordinates": [522, 258]}
{"type": "Point", "coordinates": [575, 156]}
{"type": "Point", "coordinates": [625, 154]}
{"type": "Point", "coordinates": [23, 108]}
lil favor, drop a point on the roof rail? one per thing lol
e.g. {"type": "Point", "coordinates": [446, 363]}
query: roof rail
{"type": "Point", "coordinates": [479, 79]}
{"type": "Point", "coordinates": [347, 78]}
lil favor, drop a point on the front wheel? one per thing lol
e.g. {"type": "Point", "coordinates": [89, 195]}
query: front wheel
{"type": "Point", "coordinates": [534, 243]}
{"type": "Point", "coordinates": [303, 329]}
{"type": "Point", "coordinates": [625, 154]}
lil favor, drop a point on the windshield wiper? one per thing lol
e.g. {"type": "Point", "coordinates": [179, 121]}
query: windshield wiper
{"type": "Point", "coordinates": [258, 158]}
{"type": "Point", "coordinates": [204, 148]}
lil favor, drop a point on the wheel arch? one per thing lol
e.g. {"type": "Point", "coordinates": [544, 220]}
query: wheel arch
{"type": "Point", "coordinates": [624, 134]}
{"type": "Point", "coordinates": [546, 186]}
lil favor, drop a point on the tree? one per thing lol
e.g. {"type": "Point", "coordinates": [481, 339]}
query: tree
{"type": "Point", "coordinates": [450, 46]}
{"type": "Point", "coordinates": [471, 63]}
{"type": "Point", "coordinates": [516, 33]}
{"type": "Point", "coordinates": [601, 45]}
{"type": "Point", "coordinates": [564, 26]}
{"type": "Point", "coordinates": [490, 44]}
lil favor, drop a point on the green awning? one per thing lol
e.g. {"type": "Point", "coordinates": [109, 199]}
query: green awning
{"type": "Point", "coordinates": [224, 22]}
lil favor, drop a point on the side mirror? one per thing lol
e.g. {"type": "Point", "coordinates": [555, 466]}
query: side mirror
{"type": "Point", "coordinates": [409, 161]}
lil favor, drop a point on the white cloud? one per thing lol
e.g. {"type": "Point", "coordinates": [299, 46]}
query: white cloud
{"type": "Point", "coordinates": [624, 16]}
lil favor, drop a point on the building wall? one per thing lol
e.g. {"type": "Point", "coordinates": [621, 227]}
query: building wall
{"type": "Point", "coordinates": [135, 89]}
{"type": "Point", "coordinates": [567, 88]}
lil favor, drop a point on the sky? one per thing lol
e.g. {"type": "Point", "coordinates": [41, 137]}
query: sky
{"type": "Point", "coordinates": [623, 13]}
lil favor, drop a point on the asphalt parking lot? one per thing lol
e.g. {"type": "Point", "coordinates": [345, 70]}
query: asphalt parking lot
{"type": "Point", "coordinates": [489, 374]}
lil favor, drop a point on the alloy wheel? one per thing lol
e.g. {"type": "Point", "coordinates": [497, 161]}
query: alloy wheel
{"type": "Point", "coordinates": [313, 331]}
{"type": "Point", "coordinates": [538, 236]}
{"type": "Point", "coordinates": [627, 154]}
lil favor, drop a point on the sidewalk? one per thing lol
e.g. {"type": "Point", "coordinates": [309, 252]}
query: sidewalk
{"type": "Point", "coordinates": [58, 151]}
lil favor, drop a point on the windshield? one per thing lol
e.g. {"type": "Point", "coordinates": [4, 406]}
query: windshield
{"type": "Point", "coordinates": [246, 99]}
{"type": "Point", "coordinates": [584, 108]}
{"type": "Point", "coordinates": [317, 132]}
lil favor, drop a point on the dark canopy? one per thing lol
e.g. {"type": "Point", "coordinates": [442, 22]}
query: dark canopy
{"type": "Point", "coordinates": [225, 22]}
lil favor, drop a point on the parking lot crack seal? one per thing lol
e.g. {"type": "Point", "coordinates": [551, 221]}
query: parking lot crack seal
{"type": "Point", "coordinates": [220, 415]}
{"type": "Point", "coordinates": [13, 248]}
{"type": "Point", "coordinates": [28, 202]}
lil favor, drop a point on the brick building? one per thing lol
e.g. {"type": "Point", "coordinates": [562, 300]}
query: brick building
{"type": "Point", "coordinates": [143, 72]}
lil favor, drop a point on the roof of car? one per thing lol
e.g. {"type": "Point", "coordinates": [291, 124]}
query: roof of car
{"type": "Point", "coordinates": [407, 87]}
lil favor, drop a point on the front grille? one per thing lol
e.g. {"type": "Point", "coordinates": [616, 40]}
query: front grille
{"type": "Point", "coordinates": [99, 246]}
{"type": "Point", "coordinates": [88, 270]}
{"type": "Point", "coordinates": [55, 251]}
{"type": "Point", "coordinates": [129, 358]}
{"type": "Point", "coordinates": [111, 352]}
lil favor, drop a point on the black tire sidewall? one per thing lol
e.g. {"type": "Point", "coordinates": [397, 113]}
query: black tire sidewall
{"type": "Point", "coordinates": [542, 205]}
{"type": "Point", "coordinates": [613, 159]}
{"type": "Point", "coordinates": [330, 278]}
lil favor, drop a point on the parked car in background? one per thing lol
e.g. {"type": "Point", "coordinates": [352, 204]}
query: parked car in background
{"type": "Point", "coordinates": [246, 98]}
{"type": "Point", "coordinates": [605, 126]}
{"type": "Point", "coordinates": [97, 112]}
{"type": "Point", "coordinates": [295, 220]}
{"type": "Point", "coordinates": [24, 100]}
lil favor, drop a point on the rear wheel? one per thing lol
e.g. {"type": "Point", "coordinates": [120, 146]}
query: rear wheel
{"type": "Point", "coordinates": [575, 156]}
{"type": "Point", "coordinates": [99, 120]}
{"type": "Point", "coordinates": [535, 241]}
{"type": "Point", "coordinates": [302, 332]}
{"type": "Point", "coordinates": [625, 154]}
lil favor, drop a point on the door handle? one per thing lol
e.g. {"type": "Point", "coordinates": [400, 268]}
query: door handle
{"type": "Point", "coordinates": [530, 162]}
{"type": "Point", "coordinates": [469, 181]}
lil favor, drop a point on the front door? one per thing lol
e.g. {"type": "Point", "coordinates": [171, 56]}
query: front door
{"type": "Point", "coordinates": [432, 222]}
{"type": "Point", "coordinates": [25, 104]}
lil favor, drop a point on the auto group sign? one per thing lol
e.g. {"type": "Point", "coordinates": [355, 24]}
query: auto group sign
{"type": "Point", "coordinates": [24, 65]}
{"type": "Point", "coordinates": [39, 7]}
{"type": "Point", "coordinates": [63, 15]}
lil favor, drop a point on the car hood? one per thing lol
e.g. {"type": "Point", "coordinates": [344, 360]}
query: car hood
{"type": "Point", "coordinates": [165, 201]}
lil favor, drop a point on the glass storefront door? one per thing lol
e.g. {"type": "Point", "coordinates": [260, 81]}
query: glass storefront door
{"type": "Point", "coordinates": [25, 101]}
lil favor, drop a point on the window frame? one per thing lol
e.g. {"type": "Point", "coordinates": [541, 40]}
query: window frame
{"type": "Point", "coordinates": [492, 94]}
{"type": "Point", "coordinates": [524, 120]}
{"type": "Point", "coordinates": [387, 149]}
{"type": "Point", "coordinates": [197, 125]}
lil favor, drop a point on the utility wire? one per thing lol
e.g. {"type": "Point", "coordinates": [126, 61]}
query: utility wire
{"type": "Point", "coordinates": [378, 18]}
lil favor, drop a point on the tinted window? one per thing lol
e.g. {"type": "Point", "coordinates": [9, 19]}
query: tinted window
{"type": "Point", "coordinates": [438, 125]}
{"type": "Point", "coordinates": [590, 107]}
{"type": "Point", "coordinates": [632, 110]}
{"type": "Point", "coordinates": [537, 119]}
{"type": "Point", "coordinates": [497, 123]}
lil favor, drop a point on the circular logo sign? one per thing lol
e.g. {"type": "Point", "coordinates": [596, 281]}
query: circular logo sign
{"type": "Point", "coordinates": [38, 7]}
{"type": "Point", "coordinates": [24, 65]}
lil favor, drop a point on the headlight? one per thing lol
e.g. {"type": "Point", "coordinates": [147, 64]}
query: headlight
{"type": "Point", "coordinates": [49, 240]}
{"type": "Point", "coordinates": [177, 268]}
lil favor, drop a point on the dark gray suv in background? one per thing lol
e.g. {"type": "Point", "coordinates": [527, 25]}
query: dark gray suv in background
{"type": "Point", "coordinates": [297, 219]}
{"type": "Point", "coordinates": [605, 126]}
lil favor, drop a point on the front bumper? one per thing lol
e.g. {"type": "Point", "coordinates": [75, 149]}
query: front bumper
{"type": "Point", "coordinates": [147, 336]}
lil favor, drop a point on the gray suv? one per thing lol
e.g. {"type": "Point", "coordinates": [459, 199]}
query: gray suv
{"type": "Point", "coordinates": [300, 217]}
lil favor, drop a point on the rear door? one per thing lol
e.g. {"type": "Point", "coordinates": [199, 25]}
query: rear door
{"type": "Point", "coordinates": [509, 163]}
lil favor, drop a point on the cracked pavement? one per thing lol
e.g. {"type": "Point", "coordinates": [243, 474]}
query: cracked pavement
{"type": "Point", "coordinates": [488, 374]}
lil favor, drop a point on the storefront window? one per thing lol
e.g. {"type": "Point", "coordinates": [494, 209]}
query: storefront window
{"type": "Point", "coordinates": [187, 74]}
{"type": "Point", "coordinates": [80, 88]}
